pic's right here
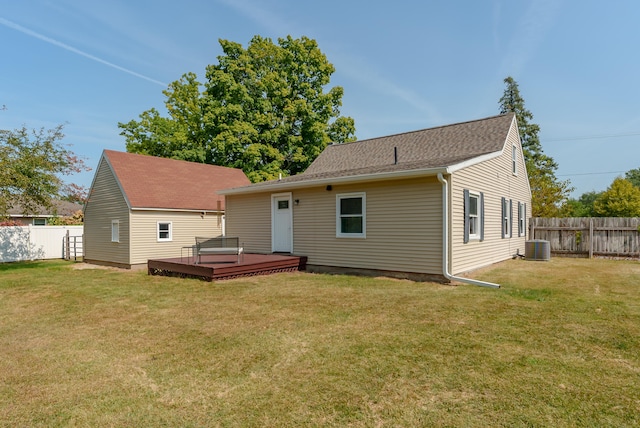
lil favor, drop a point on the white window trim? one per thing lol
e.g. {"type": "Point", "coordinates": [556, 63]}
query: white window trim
{"type": "Point", "coordinates": [35, 220]}
{"type": "Point", "coordinates": [514, 160]}
{"type": "Point", "coordinates": [521, 219]}
{"type": "Point", "coordinates": [506, 219]}
{"type": "Point", "coordinates": [475, 236]}
{"type": "Point", "coordinates": [170, 237]}
{"type": "Point", "coordinates": [339, 197]}
{"type": "Point", "coordinates": [115, 230]}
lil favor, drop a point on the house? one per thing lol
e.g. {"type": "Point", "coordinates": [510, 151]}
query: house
{"type": "Point", "coordinates": [429, 204]}
{"type": "Point", "coordinates": [143, 207]}
{"type": "Point", "coordinates": [42, 216]}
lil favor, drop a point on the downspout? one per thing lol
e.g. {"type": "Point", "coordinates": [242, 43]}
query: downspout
{"type": "Point", "coordinates": [445, 241]}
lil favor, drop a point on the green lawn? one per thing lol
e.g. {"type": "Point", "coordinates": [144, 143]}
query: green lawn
{"type": "Point", "coordinates": [558, 345]}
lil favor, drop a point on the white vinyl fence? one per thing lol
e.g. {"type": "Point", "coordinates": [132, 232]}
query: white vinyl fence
{"type": "Point", "coordinates": [19, 243]}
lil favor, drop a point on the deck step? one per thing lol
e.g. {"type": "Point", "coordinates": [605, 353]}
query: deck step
{"type": "Point", "coordinates": [218, 267]}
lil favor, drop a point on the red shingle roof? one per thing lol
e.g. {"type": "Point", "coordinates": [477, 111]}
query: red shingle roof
{"type": "Point", "coordinates": [161, 183]}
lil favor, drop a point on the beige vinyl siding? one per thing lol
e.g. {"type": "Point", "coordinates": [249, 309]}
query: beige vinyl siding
{"type": "Point", "coordinates": [249, 218]}
{"type": "Point", "coordinates": [106, 203]}
{"type": "Point", "coordinates": [403, 226]}
{"type": "Point", "coordinates": [496, 180]}
{"type": "Point", "coordinates": [185, 226]}
{"type": "Point", "coordinates": [403, 231]}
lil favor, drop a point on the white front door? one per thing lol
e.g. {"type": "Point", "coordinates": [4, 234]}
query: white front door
{"type": "Point", "coordinates": [281, 223]}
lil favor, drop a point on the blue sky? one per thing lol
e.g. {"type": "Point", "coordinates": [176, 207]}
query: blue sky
{"type": "Point", "coordinates": [404, 65]}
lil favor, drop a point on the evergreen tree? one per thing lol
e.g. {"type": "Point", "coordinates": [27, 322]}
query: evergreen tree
{"type": "Point", "coordinates": [548, 193]}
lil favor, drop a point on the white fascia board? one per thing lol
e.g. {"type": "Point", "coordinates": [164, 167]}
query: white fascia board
{"type": "Point", "coordinates": [474, 161]}
{"type": "Point", "coordinates": [182, 210]}
{"type": "Point", "coordinates": [278, 187]}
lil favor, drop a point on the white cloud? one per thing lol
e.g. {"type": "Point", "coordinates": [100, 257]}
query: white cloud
{"type": "Point", "coordinates": [366, 75]}
{"type": "Point", "coordinates": [358, 70]}
{"type": "Point", "coordinates": [528, 33]}
{"type": "Point", "coordinates": [31, 33]}
{"type": "Point", "coordinates": [272, 22]}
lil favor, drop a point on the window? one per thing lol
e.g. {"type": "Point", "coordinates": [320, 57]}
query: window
{"type": "Point", "coordinates": [514, 160]}
{"type": "Point", "coordinates": [351, 215]}
{"type": "Point", "coordinates": [473, 216]}
{"type": "Point", "coordinates": [164, 231]}
{"type": "Point", "coordinates": [522, 215]}
{"type": "Point", "coordinates": [506, 218]}
{"type": "Point", "coordinates": [39, 221]}
{"type": "Point", "coordinates": [115, 231]}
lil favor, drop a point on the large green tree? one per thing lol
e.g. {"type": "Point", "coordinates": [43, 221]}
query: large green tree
{"type": "Point", "coordinates": [31, 165]}
{"type": "Point", "coordinates": [265, 109]}
{"type": "Point", "coordinates": [633, 175]}
{"type": "Point", "coordinates": [583, 206]}
{"type": "Point", "coordinates": [548, 193]}
{"type": "Point", "coordinates": [621, 199]}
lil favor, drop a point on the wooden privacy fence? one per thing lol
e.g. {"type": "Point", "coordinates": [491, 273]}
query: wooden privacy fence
{"type": "Point", "coordinates": [589, 236]}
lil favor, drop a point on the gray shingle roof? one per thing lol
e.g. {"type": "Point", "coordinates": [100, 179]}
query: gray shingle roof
{"type": "Point", "coordinates": [438, 147]}
{"type": "Point", "coordinates": [59, 208]}
{"type": "Point", "coordinates": [428, 148]}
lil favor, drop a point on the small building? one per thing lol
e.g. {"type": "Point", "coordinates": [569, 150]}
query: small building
{"type": "Point", "coordinates": [142, 207]}
{"type": "Point", "coordinates": [43, 216]}
{"type": "Point", "coordinates": [428, 204]}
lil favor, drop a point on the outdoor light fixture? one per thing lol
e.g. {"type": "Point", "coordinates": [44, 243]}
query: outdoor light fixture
{"type": "Point", "coordinates": [329, 188]}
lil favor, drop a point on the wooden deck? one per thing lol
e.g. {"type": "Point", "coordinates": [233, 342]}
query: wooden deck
{"type": "Point", "coordinates": [216, 267]}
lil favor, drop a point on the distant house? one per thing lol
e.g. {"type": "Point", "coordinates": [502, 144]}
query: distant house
{"type": "Point", "coordinates": [143, 207]}
{"type": "Point", "coordinates": [426, 204]}
{"type": "Point", "coordinates": [43, 216]}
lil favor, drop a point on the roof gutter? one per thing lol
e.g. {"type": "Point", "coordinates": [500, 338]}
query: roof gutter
{"type": "Point", "coordinates": [333, 180]}
{"type": "Point", "coordinates": [182, 210]}
{"type": "Point", "coordinates": [445, 241]}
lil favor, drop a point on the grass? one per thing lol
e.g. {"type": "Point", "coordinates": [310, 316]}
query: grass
{"type": "Point", "coordinates": [557, 345]}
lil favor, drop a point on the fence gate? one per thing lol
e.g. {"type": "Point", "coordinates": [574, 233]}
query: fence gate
{"type": "Point", "coordinates": [72, 247]}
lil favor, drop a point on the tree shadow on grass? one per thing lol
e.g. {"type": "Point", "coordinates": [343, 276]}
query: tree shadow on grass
{"type": "Point", "coordinates": [7, 266]}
